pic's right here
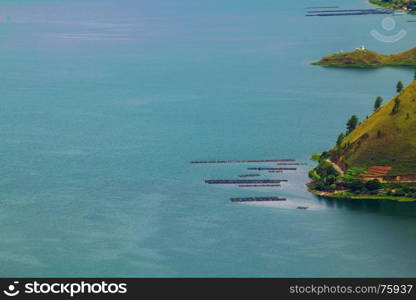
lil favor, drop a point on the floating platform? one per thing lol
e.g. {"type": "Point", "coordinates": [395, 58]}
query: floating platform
{"type": "Point", "coordinates": [349, 14]}
{"type": "Point", "coordinates": [239, 161]}
{"type": "Point", "coordinates": [245, 181]}
{"type": "Point", "coordinates": [257, 199]}
{"type": "Point", "coordinates": [273, 169]}
{"type": "Point", "coordinates": [259, 185]}
{"type": "Point", "coordinates": [321, 7]}
{"type": "Point", "coordinates": [249, 175]}
{"type": "Point", "coordinates": [347, 10]}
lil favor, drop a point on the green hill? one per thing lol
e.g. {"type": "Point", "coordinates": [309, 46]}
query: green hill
{"type": "Point", "coordinates": [368, 59]}
{"type": "Point", "coordinates": [386, 138]}
{"type": "Point", "coordinates": [376, 159]}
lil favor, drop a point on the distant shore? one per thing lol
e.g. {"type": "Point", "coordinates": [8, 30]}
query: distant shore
{"type": "Point", "coordinates": [364, 58]}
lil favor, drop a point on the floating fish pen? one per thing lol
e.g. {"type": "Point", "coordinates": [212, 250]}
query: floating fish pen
{"type": "Point", "coordinates": [239, 161]}
{"type": "Point", "coordinates": [292, 164]}
{"type": "Point", "coordinates": [321, 7]}
{"type": "Point", "coordinates": [245, 181]}
{"type": "Point", "coordinates": [249, 175]}
{"type": "Point", "coordinates": [273, 169]}
{"type": "Point", "coordinates": [349, 14]}
{"type": "Point", "coordinates": [347, 10]}
{"type": "Point", "coordinates": [259, 185]}
{"type": "Point", "coordinates": [257, 199]}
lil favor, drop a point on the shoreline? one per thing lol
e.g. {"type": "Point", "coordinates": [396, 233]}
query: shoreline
{"type": "Point", "coordinates": [341, 194]}
{"type": "Point", "coordinates": [368, 59]}
{"type": "Point", "coordinates": [329, 195]}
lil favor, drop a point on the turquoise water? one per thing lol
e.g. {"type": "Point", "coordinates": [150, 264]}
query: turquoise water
{"type": "Point", "coordinates": [104, 103]}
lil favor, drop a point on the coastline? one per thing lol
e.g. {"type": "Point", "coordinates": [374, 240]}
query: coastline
{"type": "Point", "coordinates": [329, 195]}
{"type": "Point", "coordinates": [364, 58]}
{"type": "Point", "coordinates": [346, 194]}
{"type": "Point", "coordinates": [352, 66]}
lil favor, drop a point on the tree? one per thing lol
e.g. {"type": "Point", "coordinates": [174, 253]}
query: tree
{"type": "Point", "coordinates": [414, 76]}
{"type": "Point", "coordinates": [377, 103]}
{"type": "Point", "coordinates": [399, 86]}
{"type": "Point", "coordinates": [324, 169]}
{"type": "Point", "coordinates": [356, 185]}
{"type": "Point", "coordinates": [373, 185]}
{"type": "Point", "coordinates": [352, 123]}
{"type": "Point", "coordinates": [340, 139]}
{"type": "Point", "coordinates": [396, 106]}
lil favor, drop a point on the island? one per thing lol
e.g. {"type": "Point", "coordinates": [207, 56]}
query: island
{"type": "Point", "coordinates": [375, 158]}
{"type": "Point", "coordinates": [363, 58]}
{"type": "Point", "coordinates": [405, 5]}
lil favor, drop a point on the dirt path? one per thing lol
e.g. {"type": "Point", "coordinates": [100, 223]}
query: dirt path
{"type": "Point", "coordinates": [336, 167]}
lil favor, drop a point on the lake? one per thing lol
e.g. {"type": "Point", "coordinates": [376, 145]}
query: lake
{"type": "Point", "coordinates": [105, 102]}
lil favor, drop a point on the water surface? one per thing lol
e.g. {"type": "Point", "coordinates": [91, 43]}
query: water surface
{"type": "Point", "coordinates": [104, 103]}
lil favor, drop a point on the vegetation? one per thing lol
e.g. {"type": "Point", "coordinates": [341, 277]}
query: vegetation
{"type": "Point", "coordinates": [378, 103]}
{"type": "Point", "coordinates": [386, 138]}
{"type": "Point", "coordinates": [368, 59]}
{"type": "Point", "coordinates": [399, 87]}
{"type": "Point", "coordinates": [352, 123]}
{"type": "Point", "coordinates": [396, 106]}
{"type": "Point", "coordinates": [408, 5]}
{"type": "Point", "coordinates": [340, 139]}
{"type": "Point", "coordinates": [327, 182]}
{"type": "Point", "coordinates": [316, 156]}
{"type": "Point", "coordinates": [326, 178]}
{"type": "Point", "coordinates": [353, 172]}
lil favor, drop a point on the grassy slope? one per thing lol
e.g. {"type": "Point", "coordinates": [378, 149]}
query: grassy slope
{"type": "Point", "coordinates": [406, 58]}
{"type": "Point", "coordinates": [368, 58]}
{"type": "Point", "coordinates": [397, 145]}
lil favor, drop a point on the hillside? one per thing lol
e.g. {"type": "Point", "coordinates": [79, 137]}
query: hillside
{"type": "Point", "coordinates": [385, 138]}
{"type": "Point", "coordinates": [375, 159]}
{"type": "Point", "coordinates": [368, 59]}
